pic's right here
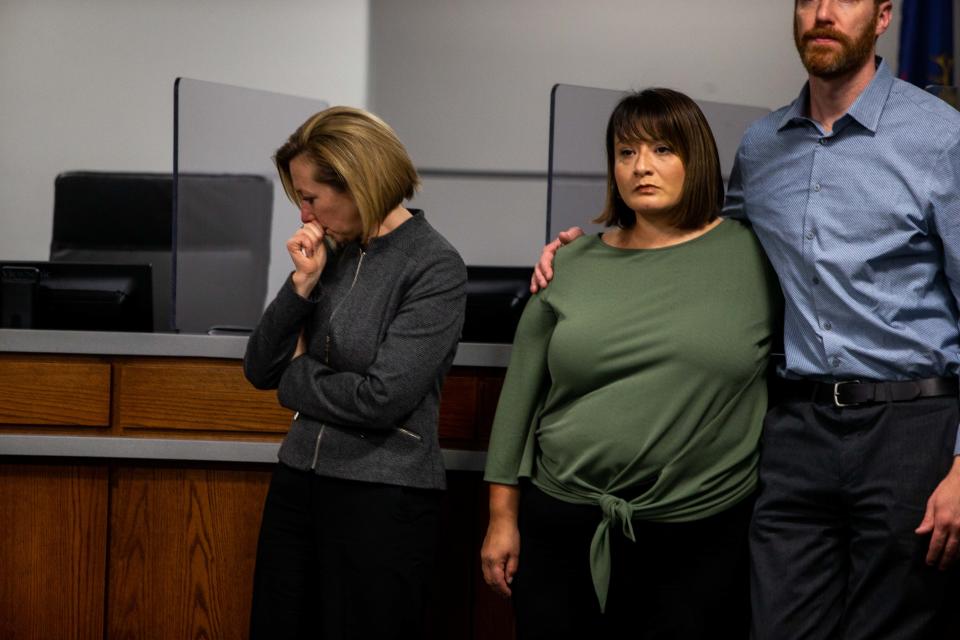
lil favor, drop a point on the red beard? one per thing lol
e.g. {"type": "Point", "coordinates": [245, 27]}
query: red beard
{"type": "Point", "coordinates": [830, 61]}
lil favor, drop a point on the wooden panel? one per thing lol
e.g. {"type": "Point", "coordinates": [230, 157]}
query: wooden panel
{"type": "Point", "coordinates": [53, 556]}
{"type": "Point", "coordinates": [458, 408]}
{"type": "Point", "coordinates": [48, 391]}
{"type": "Point", "coordinates": [203, 395]}
{"type": "Point", "coordinates": [490, 388]}
{"type": "Point", "coordinates": [182, 551]}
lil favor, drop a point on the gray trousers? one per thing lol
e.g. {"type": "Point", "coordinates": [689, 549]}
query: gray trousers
{"type": "Point", "coordinates": [833, 549]}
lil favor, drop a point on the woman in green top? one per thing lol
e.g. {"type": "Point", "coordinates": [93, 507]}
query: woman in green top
{"type": "Point", "coordinates": [624, 451]}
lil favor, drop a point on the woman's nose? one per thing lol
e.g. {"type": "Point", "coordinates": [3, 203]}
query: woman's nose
{"type": "Point", "coordinates": [306, 213]}
{"type": "Point", "coordinates": [641, 165]}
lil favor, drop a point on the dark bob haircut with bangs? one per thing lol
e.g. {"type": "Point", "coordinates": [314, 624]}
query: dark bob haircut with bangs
{"type": "Point", "coordinates": [668, 116]}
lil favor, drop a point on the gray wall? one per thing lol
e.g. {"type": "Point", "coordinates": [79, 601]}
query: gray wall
{"type": "Point", "coordinates": [89, 84]}
{"type": "Point", "coordinates": [466, 83]}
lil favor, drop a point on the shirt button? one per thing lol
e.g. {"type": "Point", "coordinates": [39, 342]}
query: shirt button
{"type": "Point", "coordinates": [816, 187]}
{"type": "Point", "coordinates": [836, 362]}
{"type": "Point", "coordinates": [809, 235]}
{"type": "Point", "coordinates": [822, 141]}
{"type": "Point", "coordinates": [816, 280]}
{"type": "Point", "coordinates": [828, 325]}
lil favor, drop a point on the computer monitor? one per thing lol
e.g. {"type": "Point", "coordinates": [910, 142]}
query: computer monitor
{"type": "Point", "coordinates": [496, 297]}
{"type": "Point", "coordinates": [75, 296]}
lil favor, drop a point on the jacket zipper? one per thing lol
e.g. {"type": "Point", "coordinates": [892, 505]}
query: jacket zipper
{"type": "Point", "coordinates": [407, 432]}
{"type": "Point", "coordinates": [316, 447]}
{"type": "Point", "coordinates": [326, 351]}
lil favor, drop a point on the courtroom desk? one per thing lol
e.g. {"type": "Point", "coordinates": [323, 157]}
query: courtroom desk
{"type": "Point", "coordinates": [133, 469]}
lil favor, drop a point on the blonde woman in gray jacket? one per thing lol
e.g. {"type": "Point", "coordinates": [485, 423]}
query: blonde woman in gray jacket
{"type": "Point", "coordinates": [357, 343]}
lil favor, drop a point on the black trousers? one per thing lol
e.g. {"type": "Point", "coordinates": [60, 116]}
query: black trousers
{"type": "Point", "coordinates": [834, 553]}
{"type": "Point", "coordinates": [339, 559]}
{"type": "Point", "coordinates": [682, 581]}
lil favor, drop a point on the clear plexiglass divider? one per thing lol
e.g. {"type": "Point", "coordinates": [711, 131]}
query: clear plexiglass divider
{"type": "Point", "coordinates": [577, 176]}
{"type": "Point", "coordinates": [231, 216]}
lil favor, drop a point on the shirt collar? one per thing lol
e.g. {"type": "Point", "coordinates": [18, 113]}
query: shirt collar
{"type": "Point", "coordinates": [866, 109]}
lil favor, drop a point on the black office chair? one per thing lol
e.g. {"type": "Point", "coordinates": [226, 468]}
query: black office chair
{"type": "Point", "coordinates": [118, 218]}
{"type": "Point", "coordinates": [222, 254]}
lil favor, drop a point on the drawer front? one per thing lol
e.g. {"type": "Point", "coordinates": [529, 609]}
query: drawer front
{"type": "Point", "coordinates": [54, 391]}
{"type": "Point", "coordinates": [203, 395]}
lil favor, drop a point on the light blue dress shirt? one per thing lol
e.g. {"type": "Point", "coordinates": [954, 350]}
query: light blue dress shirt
{"type": "Point", "coordinates": [862, 225]}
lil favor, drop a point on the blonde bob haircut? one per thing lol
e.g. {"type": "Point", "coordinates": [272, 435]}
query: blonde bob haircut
{"type": "Point", "coordinates": [670, 117]}
{"type": "Point", "coordinates": [356, 153]}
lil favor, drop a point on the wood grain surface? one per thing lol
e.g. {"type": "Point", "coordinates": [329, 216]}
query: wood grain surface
{"type": "Point", "coordinates": [54, 391]}
{"type": "Point", "coordinates": [182, 551]}
{"type": "Point", "coordinates": [458, 407]}
{"type": "Point", "coordinates": [490, 387]}
{"type": "Point", "coordinates": [200, 395]}
{"type": "Point", "coordinates": [135, 549]}
{"type": "Point", "coordinates": [53, 556]}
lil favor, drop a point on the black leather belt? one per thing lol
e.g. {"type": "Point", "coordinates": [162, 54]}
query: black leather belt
{"type": "Point", "coordinates": [851, 393]}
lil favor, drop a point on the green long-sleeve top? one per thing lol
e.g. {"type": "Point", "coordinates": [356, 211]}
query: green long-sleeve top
{"type": "Point", "coordinates": [637, 381]}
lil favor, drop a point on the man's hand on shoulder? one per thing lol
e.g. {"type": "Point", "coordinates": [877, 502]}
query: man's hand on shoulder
{"type": "Point", "coordinates": [543, 272]}
{"type": "Point", "coordinates": [942, 520]}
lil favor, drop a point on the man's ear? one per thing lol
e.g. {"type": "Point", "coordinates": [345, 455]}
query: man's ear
{"type": "Point", "coordinates": [885, 14]}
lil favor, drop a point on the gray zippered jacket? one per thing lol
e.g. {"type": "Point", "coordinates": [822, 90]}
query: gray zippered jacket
{"type": "Point", "coordinates": [382, 328]}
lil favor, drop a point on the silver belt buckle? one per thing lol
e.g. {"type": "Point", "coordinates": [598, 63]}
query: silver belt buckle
{"type": "Point", "coordinates": [836, 394]}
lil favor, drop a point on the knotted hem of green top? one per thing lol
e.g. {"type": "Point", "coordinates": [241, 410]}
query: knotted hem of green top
{"type": "Point", "coordinates": [619, 512]}
{"type": "Point", "coordinates": [616, 511]}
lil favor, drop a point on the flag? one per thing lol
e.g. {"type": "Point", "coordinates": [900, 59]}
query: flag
{"type": "Point", "coordinates": [926, 42]}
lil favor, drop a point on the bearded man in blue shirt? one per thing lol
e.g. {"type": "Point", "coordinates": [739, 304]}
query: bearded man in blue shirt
{"type": "Point", "coordinates": [854, 192]}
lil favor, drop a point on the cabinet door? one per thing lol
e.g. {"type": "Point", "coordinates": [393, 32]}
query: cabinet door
{"type": "Point", "coordinates": [182, 550]}
{"type": "Point", "coordinates": [53, 556]}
